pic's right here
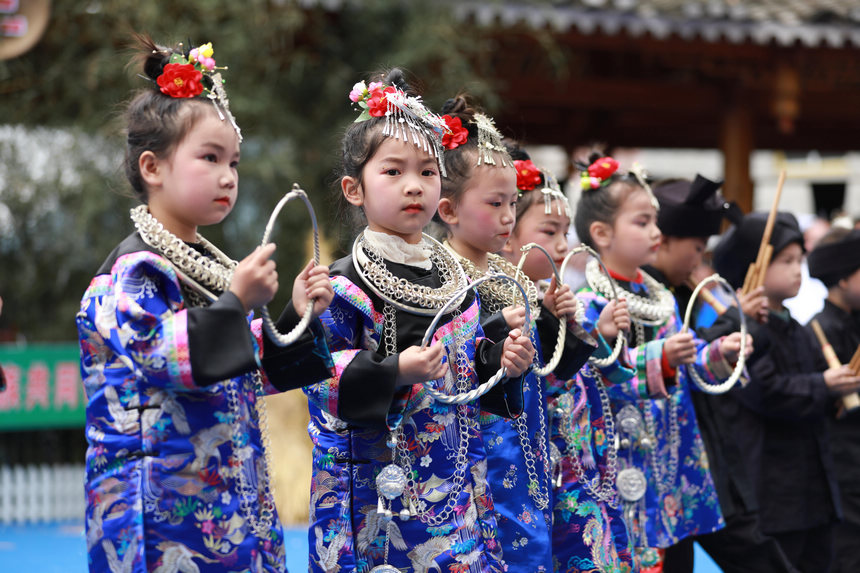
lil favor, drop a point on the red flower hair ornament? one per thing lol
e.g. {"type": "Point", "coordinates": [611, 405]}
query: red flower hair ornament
{"type": "Point", "coordinates": [599, 173]}
{"type": "Point", "coordinates": [458, 134]}
{"type": "Point", "coordinates": [528, 175]}
{"type": "Point", "coordinates": [194, 73]}
{"type": "Point", "coordinates": [181, 81]}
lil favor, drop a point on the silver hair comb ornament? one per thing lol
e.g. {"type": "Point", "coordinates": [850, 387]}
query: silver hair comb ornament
{"type": "Point", "coordinates": [552, 192]}
{"type": "Point", "coordinates": [637, 170]}
{"type": "Point", "coordinates": [490, 143]}
{"type": "Point", "coordinates": [406, 117]}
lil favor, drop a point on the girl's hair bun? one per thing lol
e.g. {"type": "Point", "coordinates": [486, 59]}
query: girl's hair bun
{"type": "Point", "coordinates": [397, 77]}
{"type": "Point", "coordinates": [151, 57]}
{"type": "Point", "coordinates": [460, 106]}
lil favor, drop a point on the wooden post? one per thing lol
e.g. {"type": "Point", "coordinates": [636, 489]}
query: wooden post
{"type": "Point", "coordinates": [736, 143]}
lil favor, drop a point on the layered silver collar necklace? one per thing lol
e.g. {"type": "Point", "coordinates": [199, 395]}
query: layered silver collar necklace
{"type": "Point", "coordinates": [214, 273]}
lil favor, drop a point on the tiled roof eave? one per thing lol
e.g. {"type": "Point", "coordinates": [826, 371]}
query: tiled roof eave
{"type": "Point", "coordinates": [563, 19]}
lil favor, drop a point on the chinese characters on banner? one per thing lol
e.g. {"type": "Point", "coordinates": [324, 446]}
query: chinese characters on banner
{"type": "Point", "coordinates": [43, 387]}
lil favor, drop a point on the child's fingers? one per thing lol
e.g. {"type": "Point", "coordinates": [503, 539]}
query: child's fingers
{"type": "Point", "coordinates": [264, 252]}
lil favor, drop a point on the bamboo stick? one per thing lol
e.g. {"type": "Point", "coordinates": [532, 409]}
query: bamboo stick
{"type": "Point", "coordinates": [755, 274]}
{"type": "Point", "coordinates": [849, 401]}
{"type": "Point", "coordinates": [826, 349]}
{"type": "Point", "coordinates": [855, 361]}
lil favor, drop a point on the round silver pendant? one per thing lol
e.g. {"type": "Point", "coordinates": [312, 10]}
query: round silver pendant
{"type": "Point", "coordinates": [385, 568]}
{"type": "Point", "coordinates": [629, 420]}
{"type": "Point", "coordinates": [391, 481]}
{"type": "Point", "coordinates": [631, 484]}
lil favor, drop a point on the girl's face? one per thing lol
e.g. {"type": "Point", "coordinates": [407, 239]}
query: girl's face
{"type": "Point", "coordinates": [634, 238]}
{"type": "Point", "coordinates": [783, 277]}
{"type": "Point", "coordinates": [197, 184]}
{"type": "Point", "coordinates": [549, 230]}
{"type": "Point", "coordinates": [678, 257]}
{"type": "Point", "coordinates": [399, 190]}
{"type": "Point", "coordinates": [482, 220]}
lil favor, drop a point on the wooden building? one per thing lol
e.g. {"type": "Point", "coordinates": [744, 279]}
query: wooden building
{"type": "Point", "coordinates": [733, 75]}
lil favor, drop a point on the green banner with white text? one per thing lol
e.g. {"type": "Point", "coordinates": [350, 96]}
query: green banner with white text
{"type": "Point", "coordinates": [43, 387]}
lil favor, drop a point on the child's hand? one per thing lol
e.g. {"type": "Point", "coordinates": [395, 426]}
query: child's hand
{"type": "Point", "coordinates": [312, 284]}
{"type": "Point", "coordinates": [680, 349]}
{"type": "Point", "coordinates": [613, 318]}
{"type": "Point", "coordinates": [754, 304]}
{"type": "Point", "coordinates": [841, 380]}
{"type": "Point", "coordinates": [559, 300]}
{"type": "Point", "coordinates": [515, 316]}
{"type": "Point", "coordinates": [416, 365]}
{"type": "Point", "coordinates": [730, 346]}
{"type": "Point", "coordinates": [518, 353]}
{"type": "Point", "coordinates": [255, 280]}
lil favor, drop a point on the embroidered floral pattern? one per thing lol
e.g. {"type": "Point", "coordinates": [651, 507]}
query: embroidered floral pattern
{"type": "Point", "coordinates": [148, 509]}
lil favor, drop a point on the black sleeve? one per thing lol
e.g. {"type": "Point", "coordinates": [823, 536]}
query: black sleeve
{"type": "Point", "coordinates": [220, 343]}
{"type": "Point", "coordinates": [730, 322]}
{"type": "Point", "coordinates": [304, 362]}
{"type": "Point", "coordinates": [495, 327]}
{"type": "Point", "coordinates": [575, 351]}
{"type": "Point", "coordinates": [367, 389]}
{"type": "Point", "coordinates": [505, 398]}
{"type": "Point", "coordinates": [786, 391]}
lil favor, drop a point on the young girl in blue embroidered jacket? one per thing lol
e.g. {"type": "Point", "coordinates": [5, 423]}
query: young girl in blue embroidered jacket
{"type": "Point", "coordinates": [478, 208]}
{"type": "Point", "coordinates": [663, 475]}
{"type": "Point", "coordinates": [588, 530]}
{"type": "Point", "coordinates": [177, 476]}
{"type": "Point", "coordinates": [400, 478]}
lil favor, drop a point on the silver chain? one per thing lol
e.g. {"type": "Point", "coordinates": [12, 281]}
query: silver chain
{"type": "Point", "coordinates": [538, 488]}
{"type": "Point", "coordinates": [259, 522]}
{"type": "Point", "coordinates": [665, 481]}
{"type": "Point", "coordinates": [602, 488]}
{"type": "Point", "coordinates": [464, 425]}
{"type": "Point", "coordinates": [403, 457]}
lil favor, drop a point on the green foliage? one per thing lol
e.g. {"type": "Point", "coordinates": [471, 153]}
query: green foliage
{"type": "Point", "coordinates": [290, 70]}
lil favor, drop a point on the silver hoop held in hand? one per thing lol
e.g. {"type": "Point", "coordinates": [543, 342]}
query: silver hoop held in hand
{"type": "Point", "coordinates": [562, 323]}
{"type": "Point", "coordinates": [428, 335]}
{"type": "Point", "coordinates": [619, 339]}
{"type": "Point", "coordinates": [277, 337]}
{"type": "Point", "coordinates": [739, 367]}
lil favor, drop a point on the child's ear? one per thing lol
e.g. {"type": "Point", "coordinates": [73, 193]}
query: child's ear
{"type": "Point", "coordinates": [150, 168]}
{"type": "Point", "coordinates": [601, 234]}
{"type": "Point", "coordinates": [447, 212]}
{"type": "Point", "coordinates": [352, 191]}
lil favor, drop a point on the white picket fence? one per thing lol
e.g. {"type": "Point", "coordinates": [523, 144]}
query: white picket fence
{"type": "Point", "coordinates": [41, 493]}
